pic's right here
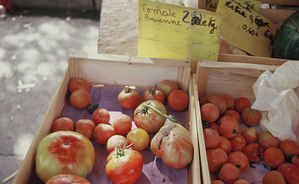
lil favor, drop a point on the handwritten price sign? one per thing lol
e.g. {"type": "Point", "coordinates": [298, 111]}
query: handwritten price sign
{"type": "Point", "coordinates": [170, 31]}
{"type": "Point", "coordinates": [246, 29]}
{"type": "Point", "coordinates": [252, 4]}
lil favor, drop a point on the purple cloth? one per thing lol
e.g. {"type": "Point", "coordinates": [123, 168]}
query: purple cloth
{"type": "Point", "coordinates": [154, 170]}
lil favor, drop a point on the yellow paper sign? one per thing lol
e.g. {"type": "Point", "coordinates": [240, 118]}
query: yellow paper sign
{"type": "Point", "coordinates": [252, 4]}
{"type": "Point", "coordinates": [246, 29]}
{"type": "Point", "coordinates": [176, 32]}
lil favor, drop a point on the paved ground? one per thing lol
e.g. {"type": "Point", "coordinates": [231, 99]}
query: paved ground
{"type": "Point", "coordinates": [34, 48]}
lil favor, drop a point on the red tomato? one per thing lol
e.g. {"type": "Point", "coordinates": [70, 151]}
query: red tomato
{"type": "Point", "coordinates": [250, 134]}
{"type": "Point", "coordinates": [178, 100]}
{"type": "Point", "coordinates": [85, 127]}
{"type": "Point", "coordinates": [63, 123]}
{"type": "Point", "coordinates": [241, 103]}
{"type": "Point", "coordinates": [128, 98]}
{"type": "Point", "coordinates": [289, 148]}
{"type": "Point", "coordinates": [115, 141]}
{"type": "Point", "coordinates": [230, 102]}
{"type": "Point", "coordinates": [229, 173]}
{"type": "Point", "coordinates": [251, 117]}
{"type": "Point", "coordinates": [102, 133]}
{"type": "Point", "coordinates": [67, 178]}
{"type": "Point", "coordinates": [219, 101]}
{"type": "Point", "coordinates": [273, 177]}
{"type": "Point", "coordinates": [239, 158]}
{"type": "Point", "coordinates": [216, 157]}
{"type": "Point", "coordinates": [153, 94]}
{"type": "Point", "coordinates": [266, 140]}
{"type": "Point", "coordinates": [273, 157]}
{"type": "Point", "coordinates": [139, 139]}
{"type": "Point", "coordinates": [289, 172]}
{"type": "Point", "coordinates": [203, 100]}
{"type": "Point", "coordinates": [101, 115]}
{"type": "Point", "coordinates": [295, 160]}
{"type": "Point", "coordinates": [224, 144]}
{"type": "Point", "coordinates": [211, 137]}
{"type": "Point", "coordinates": [80, 98]}
{"type": "Point", "coordinates": [122, 124]}
{"type": "Point", "coordinates": [167, 86]}
{"type": "Point", "coordinates": [229, 128]}
{"type": "Point", "coordinates": [209, 112]}
{"type": "Point", "coordinates": [64, 152]}
{"type": "Point", "coordinates": [254, 152]}
{"type": "Point", "coordinates": [232, 113]}
{"type": "Point", "coordinates": [147, 118]}
{"type": "Point", "coordinates": [173, 145]}
{"type": "Point", "coordinates": [78, 83]}
{"type": "Point", "coordinates": [124, 166]}
{"type": "Point", "coordinates": [238, 143]}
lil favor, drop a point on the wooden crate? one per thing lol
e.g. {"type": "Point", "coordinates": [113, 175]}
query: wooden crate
{"type": "Point", "coordinates": [111, 71]}
{"type": "Point", "coordinates": [277, 15]}
{"type": "Point", "coordinates": [235, 79]}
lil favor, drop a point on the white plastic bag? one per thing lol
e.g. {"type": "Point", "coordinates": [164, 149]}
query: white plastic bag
{"type": "Point", "coordinates": [276, 98]}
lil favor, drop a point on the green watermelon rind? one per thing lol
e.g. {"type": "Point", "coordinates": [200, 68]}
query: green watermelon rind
{"type": "Point", "coordinates": [286, 41]}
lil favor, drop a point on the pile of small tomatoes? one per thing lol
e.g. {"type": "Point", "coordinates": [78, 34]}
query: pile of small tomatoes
{"type": "Point", "coordinates": [234, 142]}
{"type": "Point", "coordinates": [123, 142]}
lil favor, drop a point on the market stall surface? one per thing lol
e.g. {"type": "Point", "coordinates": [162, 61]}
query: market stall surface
{"type": "Point", "coordinates": [34, 50]}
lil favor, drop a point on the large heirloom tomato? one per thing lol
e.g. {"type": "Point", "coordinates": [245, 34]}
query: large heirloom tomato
{"type": "Point", "coordinates": [67, 178]}
{"type": "Point", "coordinates": [173, 145]}
{"type": "Point", "coordinates": [147, 118]}
{"type": "Point", "coordinates": [64, 152]}
{"type": "Point", "coordinates": [124, 166]}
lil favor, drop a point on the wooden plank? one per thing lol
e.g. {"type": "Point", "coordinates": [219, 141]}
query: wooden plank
{"type": "Point", "coordinates": [250, 59]}
{"type": "Point", "coordinates": [276, 15]}
{"type": "Point", "coordinates": [281, 2]}
{"type": "Point", "coordinates": [205, 175]}
{"type": "Point", "coordinates": [195, 165]}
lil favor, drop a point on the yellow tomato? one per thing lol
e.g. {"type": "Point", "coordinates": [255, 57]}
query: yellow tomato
{"type": "Point", "coordinates": [139, 139]}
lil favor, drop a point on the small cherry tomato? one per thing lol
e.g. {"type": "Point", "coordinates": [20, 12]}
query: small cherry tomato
{"type": "Point", "coordinates": [101, 115]}
{"type": "Point", "coordinates": [178, 100]}
{"type": "Point", "coordinates": [80, 98]}
{"type": "Point", "coordinates": [63, 123]}
{"type": "Point", "coordinates": [139, 139]}
{"type": "Point", "coordinates": [128, 98]}
{"type": "Point", "coordinates": [85, 127]}
{"type": "Point", "coordinates": [153, 94]}
{"type": "Point", "coordinates": [78, 83]}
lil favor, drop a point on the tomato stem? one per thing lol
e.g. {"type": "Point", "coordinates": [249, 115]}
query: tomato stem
{"type": "Point", "coordinates": [153, 91]}
{"type": "Point", "coordinates": [170, 117]}
{"type": "Point", "coordinates": [127, 89]}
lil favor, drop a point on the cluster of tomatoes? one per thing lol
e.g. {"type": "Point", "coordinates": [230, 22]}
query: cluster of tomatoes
{"type": "Point", "coordinates": [233, 142]}
{"type": "Point", "coordinates": [123, 143]}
